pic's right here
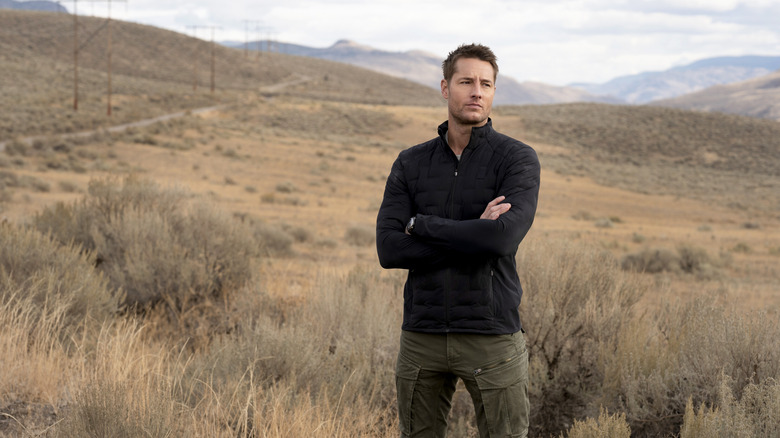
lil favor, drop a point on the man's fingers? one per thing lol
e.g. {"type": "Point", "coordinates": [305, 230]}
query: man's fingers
{"type": "Point", "coordinates": [495, 211]}
{"type": "Point", "coordinates": [495, 201]}
{"type": "Point", "coordinates": [500, 209]}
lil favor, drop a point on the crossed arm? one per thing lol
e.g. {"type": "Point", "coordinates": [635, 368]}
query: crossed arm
{"type": "Point", "coordinates": [439, 241]}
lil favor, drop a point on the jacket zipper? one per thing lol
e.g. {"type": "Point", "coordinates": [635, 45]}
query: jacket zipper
{"type": "Point", "coordinates": [449, 279]}
{"type": "Point", "coordinates": [452, 190]}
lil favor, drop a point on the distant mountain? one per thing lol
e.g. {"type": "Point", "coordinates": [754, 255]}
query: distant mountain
{"type": "Point", "coordinates": [33, 5]}
{"type": "Point", "coordinates": [425, 68]}
{"type": "Point", "coordinates": [512, 92]}
{"type": "Point", "coordinates": [758, 97]}
{"type": "Point", "coordinates": [677, 81]}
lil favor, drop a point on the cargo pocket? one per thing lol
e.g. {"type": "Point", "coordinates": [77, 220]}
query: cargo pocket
{"type": "Point", "coordinates": [406, 374]}
{"type": "Point", "coordinates": [504, 391]}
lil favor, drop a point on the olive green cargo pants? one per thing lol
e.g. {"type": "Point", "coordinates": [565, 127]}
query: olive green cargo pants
{"type": "Point", "coordinates": [494, 369]}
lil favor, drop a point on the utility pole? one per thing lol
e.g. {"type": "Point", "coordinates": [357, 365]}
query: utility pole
{"type": "Point", "coordinates": [213, 59]}
{"type": "Point", "coordinates": [246, 39]}
{"type": "Point", "coordinates": [75, 57]}
{"type": "Point", "coordinates": [194, 57]}
{"type": "Point", "coordinates": [259, 37]}
{"type": "Point", "coordinates": [108, 25]}
{"type": "Point", "coordinates": [246, 35]}
{"type": "Point", "coordinates": [76, 54]}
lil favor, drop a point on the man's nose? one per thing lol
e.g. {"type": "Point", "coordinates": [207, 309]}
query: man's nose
{"type": "Point", "coordinates": [476, 91]}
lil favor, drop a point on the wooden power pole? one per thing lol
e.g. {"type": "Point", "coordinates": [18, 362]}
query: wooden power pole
{"type": "Point", "coordinates": [76, 54]}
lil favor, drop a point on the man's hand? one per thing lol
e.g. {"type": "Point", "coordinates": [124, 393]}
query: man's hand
{"type": "Point", "coordinates": [495, 209]}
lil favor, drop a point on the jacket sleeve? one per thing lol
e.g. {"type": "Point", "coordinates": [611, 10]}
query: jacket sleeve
{"type": "Point", "coordinates": [395, 248]}
{"type": "Point", "coordinates": [500, 237]}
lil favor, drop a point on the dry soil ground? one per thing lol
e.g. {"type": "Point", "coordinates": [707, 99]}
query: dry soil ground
{"type": "Point", "coordinates": [276, 161]}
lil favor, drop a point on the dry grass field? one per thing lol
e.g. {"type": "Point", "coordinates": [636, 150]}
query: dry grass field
{"type": "Point", "coordinates": [243, 238]}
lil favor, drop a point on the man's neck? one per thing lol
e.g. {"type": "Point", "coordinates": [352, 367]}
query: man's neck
{"type": "Point", "coordinates": [458, 136]}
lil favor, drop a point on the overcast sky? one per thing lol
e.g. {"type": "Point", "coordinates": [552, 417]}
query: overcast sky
{"type": "Point", "coordinates": [553, 41]}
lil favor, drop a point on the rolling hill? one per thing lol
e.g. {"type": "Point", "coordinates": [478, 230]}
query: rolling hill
{"type": "Point", "coordinates": [33, 5]}
{"type": "Point", "coordinates": [677, 81]}
{"type": "Point", "coordinates": [292, 161]}
{"type": "Point", "coordinates": [156, 72]}
{"type": "Point", "coordinates": [153, 72]}
{"type": "Point", "coordinates": [758, 97]}
{"type": "Point", "coordinates": [425, 68]}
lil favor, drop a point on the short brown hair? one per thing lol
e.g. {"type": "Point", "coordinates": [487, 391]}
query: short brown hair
{"type": "Point", "coordinates": [478, 51]}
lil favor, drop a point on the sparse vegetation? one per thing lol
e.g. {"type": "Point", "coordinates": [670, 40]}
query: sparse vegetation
{"type": "Point", "coordinates": [155, 247]}
{"type": "Point", "coordinates": [360, 236]}
{"type": "Point", "coordinates": [148, 79]}
{"type": "Point", "coordinates": [258, 313]}
{"type": "Point", "coordinates": [639, 148]}
{"type": "Point", "coordinates": [590, 347]}
{"type": "Point", "coordinates": [688, 259]}
{"type": "Point", "coordinates": [272, 240]}
{"type": "Point", "coordinates": [606, 426]}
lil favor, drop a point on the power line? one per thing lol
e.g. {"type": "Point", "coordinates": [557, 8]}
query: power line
{"type": "Point", "coordinates": [76, 49]}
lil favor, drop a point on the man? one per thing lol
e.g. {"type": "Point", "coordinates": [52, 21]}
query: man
{"type": "Point", "coordinates": [454, 211]}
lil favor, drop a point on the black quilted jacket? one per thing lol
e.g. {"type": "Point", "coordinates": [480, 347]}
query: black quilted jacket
{"type": "Point", "coordinates": [462, 269]}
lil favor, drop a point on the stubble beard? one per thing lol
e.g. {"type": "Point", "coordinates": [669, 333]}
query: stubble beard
{"type": "Point", "coordinates": [466, 118]}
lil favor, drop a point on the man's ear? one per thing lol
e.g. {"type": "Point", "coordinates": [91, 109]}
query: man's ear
{"type": "Point", "coordinates": [445, 92]}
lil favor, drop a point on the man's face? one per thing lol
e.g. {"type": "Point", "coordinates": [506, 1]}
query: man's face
{"type": "Point", "coordinates": [470, 92]}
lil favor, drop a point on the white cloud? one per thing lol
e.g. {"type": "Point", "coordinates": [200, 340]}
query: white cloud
{"type": "Point", "coordinates": [554, 41]}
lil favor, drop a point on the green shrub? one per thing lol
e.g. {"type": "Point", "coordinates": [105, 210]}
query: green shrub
{"type": "Point", "coordinates": [34, 267]}
{"type": "Point", "coordinates": [575, 300]}
{"type": "Point", "coordinates": [307, 350]}
{"type": "Point", "coordinates": [684, 353]}
{"type": "Point", "coordinates": [17, 147]}
{"type": "Point", "coordinates": [300, 234]}
{"type": "Point", "coordinates": [108, 409]}
{"type": "Point", "coordinates": [604, 223]}
{"type": "Point", "coordinates": [652, 261]}
{"type": "Point", "coordinates": [272, 240]}
{"type": "Point", "coordinates": [360, 236]}
{"type": "Point", "coordinates": [286, 187]}
{"type": "Point", "coordinates": [756, 414]}
{"type": "Point", "coordinates": [68, 186]}
{"type": "Point", "coordinates": [696, 260]}
{"type": "Point", "coordinates": [688, 259]}
{"type": "Point", "coordinates": [606, 426]}
{"type": "Point", "coordinates": [153, 245]}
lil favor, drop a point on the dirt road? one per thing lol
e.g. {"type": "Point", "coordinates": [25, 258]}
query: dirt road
{"type": "Point", "coordinates": [120, 128]}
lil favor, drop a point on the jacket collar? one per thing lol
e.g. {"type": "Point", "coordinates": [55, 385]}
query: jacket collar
{"type": "Point", "coordinates": [478, 132]}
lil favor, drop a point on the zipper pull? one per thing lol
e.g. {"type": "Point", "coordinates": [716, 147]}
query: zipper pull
{"type": "Point", "coordinates": [456, 172]}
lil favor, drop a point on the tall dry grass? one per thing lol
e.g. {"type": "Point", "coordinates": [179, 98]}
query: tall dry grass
{"type": "Point", "coordinates": [322, 366]}
{"type": "Point", "coordinates": [576, 301]}
{"type": "Point", "coordinates": [326, 371]}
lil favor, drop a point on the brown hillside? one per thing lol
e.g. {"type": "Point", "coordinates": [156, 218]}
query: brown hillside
{"type": "Point", "coordinates": [308, 346]}
{"type": "Point", "coordinates": [154, 71]}
{"type": "Point", "coordinates": [758, 97]}
{"type": "Point", "coordinates": [711, 156]}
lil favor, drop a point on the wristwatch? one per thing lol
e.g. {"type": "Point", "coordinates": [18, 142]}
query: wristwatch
{"type": "Point", "coordinates": [410, 226]}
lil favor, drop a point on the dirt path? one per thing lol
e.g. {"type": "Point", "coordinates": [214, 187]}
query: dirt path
{"type": "Point", "coordinates": [122, 127]}
{"type": "Point", "coordinates": [119, 128]}
{"type": "Point", "coordinates": [281, 85]}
